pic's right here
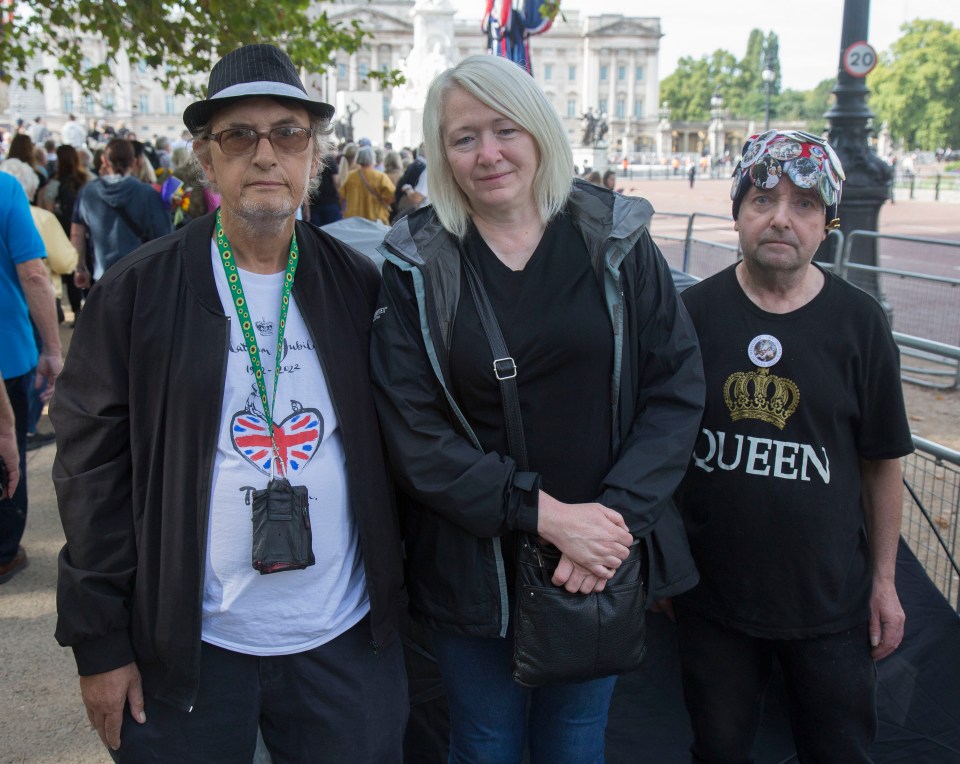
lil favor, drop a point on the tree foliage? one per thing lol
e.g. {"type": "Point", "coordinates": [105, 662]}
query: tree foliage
{"type": "Point", "coordinates": [741, 84]}
{"type": "Point", "coordinates": [689, 89]}
{"type": "Point", "coordinates": [179, 38]}
{"type": "Point", "coordinates": [807, 105]}
{"type": "Point", "coordinates": [916, 86]}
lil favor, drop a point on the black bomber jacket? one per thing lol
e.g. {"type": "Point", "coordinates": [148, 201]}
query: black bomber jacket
{"type": "Point", "coordinates": [137, 416]}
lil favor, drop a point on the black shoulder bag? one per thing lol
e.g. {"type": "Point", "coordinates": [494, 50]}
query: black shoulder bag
{"type": "Point", "coordinates": [560, 637]}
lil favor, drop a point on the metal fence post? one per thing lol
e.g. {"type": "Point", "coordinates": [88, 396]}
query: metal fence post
{"type": "Point", "coordinates": [687, 243]}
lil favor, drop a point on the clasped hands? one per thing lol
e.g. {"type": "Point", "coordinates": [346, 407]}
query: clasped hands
{"type": "Point", "coordinates": [593, 541]}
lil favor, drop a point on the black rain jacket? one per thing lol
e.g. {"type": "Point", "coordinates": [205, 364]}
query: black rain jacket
{"type": "Point", "coordinates": [459, 500]}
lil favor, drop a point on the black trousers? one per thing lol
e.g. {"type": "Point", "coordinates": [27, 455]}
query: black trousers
{"type": "Point", "coordinates": [336, 703]}
{"type": "Point", "coordinates": [830, 685]}
{"type": "Point", "coordinates": [13, 511]}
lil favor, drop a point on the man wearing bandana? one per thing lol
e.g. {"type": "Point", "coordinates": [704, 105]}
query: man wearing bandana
{"type": "Point", "coordinates": [233, 556]}
{"type": "Point", "coordinates": [792, 499]}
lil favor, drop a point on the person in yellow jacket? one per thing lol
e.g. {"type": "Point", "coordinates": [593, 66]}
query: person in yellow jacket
{"type": "Point", "coordinates": [367, 193]}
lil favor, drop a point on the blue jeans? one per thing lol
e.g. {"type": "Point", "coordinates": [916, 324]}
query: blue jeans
{"type": "Point", "coordinates": [492, 718]}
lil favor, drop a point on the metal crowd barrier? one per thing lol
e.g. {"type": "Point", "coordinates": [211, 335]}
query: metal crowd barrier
{"type": "Point", "coordinates": [931, 514]}
{"type": "Point", "coordinates": [925, 310]}
{"type": "Point", "coordinates": [925, 307]}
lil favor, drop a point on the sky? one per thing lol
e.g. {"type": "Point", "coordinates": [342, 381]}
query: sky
{"type": "Point", "coordinates": [809, 30]}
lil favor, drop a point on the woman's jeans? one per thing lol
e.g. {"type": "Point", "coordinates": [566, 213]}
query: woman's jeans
{"type": "Point", "coordinates": [492, 717]}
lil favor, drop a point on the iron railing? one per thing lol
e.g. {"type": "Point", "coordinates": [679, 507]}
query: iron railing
{"type": "Point", "coordinates": [925, 308]}
{"type": "Point", "coordinates": [931, 514]}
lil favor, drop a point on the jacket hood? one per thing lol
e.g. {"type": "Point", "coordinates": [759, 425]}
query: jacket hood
{"type": "Point", "coordinates": [117, 190]}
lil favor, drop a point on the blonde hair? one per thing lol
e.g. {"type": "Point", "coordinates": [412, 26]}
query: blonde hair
{"type": "Point", "coordinates": [506, 88]}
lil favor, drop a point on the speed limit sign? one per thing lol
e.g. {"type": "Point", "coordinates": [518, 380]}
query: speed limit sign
{"type": "Point", "coordinates": [859, 59]}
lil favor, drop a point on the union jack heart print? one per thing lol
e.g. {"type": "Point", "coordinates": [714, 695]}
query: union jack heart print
{"type": "Point", "coordinates": [298, 438]}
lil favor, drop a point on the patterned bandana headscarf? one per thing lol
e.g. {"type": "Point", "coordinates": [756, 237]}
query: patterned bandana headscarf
{"type": "Point", "coordinates": [807, 160]}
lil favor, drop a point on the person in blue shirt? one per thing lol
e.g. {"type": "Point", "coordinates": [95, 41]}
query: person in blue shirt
{"type": "Point", "coordinates": [25, 293]}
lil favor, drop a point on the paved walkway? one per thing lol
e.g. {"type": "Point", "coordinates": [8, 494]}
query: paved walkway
{"type": "Point", "coordinates": [44, 721]}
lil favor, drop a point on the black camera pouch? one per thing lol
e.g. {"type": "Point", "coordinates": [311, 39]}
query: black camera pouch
{"type": "Point", "coordinates": [282, 539]}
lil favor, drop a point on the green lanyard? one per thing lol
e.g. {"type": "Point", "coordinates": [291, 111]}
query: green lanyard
{"type": "Point", "coordinates": [243, 313]}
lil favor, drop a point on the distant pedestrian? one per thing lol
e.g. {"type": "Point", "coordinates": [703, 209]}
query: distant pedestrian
{"type": "Point", "coordinates": [38, 131]}
{"type": "Point", "coordinates": [692, 174]}
{"type": "Point", "coordinates": [73, 133]}
{"type": "Point", "coordinates": [119, 211]}
{"type": "Point", "coordinates": [325, 200]}
{"type": "Point", "coordinates": [367, 193]}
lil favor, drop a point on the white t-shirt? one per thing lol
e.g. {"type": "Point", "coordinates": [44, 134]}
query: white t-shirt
{"type": "Point", "coordinates": [291, 611]}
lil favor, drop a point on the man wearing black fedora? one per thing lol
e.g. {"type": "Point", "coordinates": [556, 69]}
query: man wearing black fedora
{"type": "Point", "coordinates": [233, 555]}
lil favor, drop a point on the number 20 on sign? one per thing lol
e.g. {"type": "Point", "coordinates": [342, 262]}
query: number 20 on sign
{"type": "Point", "coordinates": [859, 59]}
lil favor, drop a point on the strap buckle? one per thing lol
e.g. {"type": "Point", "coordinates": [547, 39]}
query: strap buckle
{"type": "Point", "coordinates": [504, 368]}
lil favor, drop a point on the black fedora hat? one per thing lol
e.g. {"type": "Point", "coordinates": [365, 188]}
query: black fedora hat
{"type": "Point", "coordinates": [247, 72]}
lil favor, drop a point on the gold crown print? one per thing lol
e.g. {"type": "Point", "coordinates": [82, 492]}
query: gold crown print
{"type": "Point", "coordinates": [760, 395]}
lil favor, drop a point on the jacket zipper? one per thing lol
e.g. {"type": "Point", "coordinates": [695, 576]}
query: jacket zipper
{"type": "Point", "coordinates": [375, 645]}
{"type": "Point", "coordinates": [205, 510]}
{"type": "Point", "coordinates": [495, 542]}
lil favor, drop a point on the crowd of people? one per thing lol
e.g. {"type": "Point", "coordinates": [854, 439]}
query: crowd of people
{"type": "Point", "coordinates": [273, 460]}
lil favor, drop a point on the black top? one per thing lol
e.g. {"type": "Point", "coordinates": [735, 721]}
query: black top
{"type": "Point", "coordinates": [556, 327]}
{"type": "Point", "coordinates": [771, 500]}
{"type": "Point", "coordinates": [326, 193]}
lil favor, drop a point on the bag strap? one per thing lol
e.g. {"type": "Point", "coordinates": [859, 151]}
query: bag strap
{"type": "Point", "coordinates": [125, 217]}
{"type": "Point", "coordinates": [504, 367]}
{"type": "Point", "coordinates": [375, 194]}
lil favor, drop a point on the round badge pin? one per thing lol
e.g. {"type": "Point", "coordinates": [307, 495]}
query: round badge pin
{"type": "Point", "coordinates": [831, 175]}
{"type": "Point", "coordinates": [764, 350]}
{"type": "Point", "coordinates": [835, 161]}
{"type": "Point", "coordinates": [735, 185]}
{"type": "Point", "coordinates": [753, 151]}
{"type": "Point", "coordinates": [827, 192]}
{"type": "Point", "coordinates": [804, 172]}
{"type": "Point", "coordinates": [765, 173]}
{"type": "Point", "coordinates": [767, 136]}
{"type": "Point", "coordinates": [784, 150]}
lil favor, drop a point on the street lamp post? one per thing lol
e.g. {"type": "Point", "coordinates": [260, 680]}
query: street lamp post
{"type": "Point", "coordinates": [768, 76]}
{"type": "Point", "coordinates": [867, 185]}
{"type": "Point", "coordinates": [664, 142]}
{"type": "Point", "coordinates": [717, 142]}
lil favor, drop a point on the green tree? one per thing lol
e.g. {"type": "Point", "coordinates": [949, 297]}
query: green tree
{"type": "Point", "coordinates": [806, 105]}
{"type": "Point", "coordinates": [689, 88]}
{"type": "Point", "coordinates": [916, 86]}
{"type": "Point", "coordinates": [180, 38]}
